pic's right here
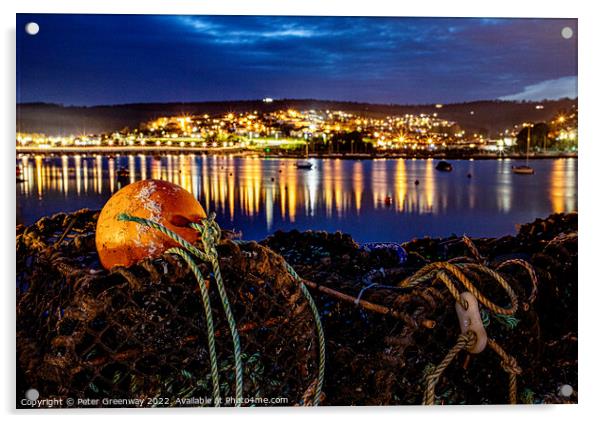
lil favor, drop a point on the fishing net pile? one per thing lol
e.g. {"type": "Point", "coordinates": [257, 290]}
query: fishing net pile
{"type": "Point", "coordinates": [86, 332]}
{"type": "Point", "coordinates": [378, 359]}
{"type": "Point", "coordinates": [83, 332]}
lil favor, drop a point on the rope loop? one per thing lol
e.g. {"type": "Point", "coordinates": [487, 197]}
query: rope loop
{"type": "Point", "coordinates": [442, 270]}
{"type": "Point", "coordinates": [473, 249]}
{"type": "Point", "coordinates": [447, 272]}
{"type": "Point", "coordinates": [532, 275]}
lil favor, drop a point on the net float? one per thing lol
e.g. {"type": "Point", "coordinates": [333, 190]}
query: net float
{"type": "Point", "coordinates": [124, 243]}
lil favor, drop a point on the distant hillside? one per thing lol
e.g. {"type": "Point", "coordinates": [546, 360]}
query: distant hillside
{"type": "Point", "coordinates": [487, 116]}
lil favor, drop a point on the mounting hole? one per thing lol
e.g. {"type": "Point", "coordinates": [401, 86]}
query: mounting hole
{"type": "Point", "coordinates": [32, 394]}
{"type": "Point", "coordinates": [32, 28]}
{"type": "Point", "coordinates": [567, 32]}
{"type": "Point", "coordinates": [565, 390]}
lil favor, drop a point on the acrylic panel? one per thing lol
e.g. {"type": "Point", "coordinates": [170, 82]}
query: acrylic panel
{"type": "Point", "coordinates": [295, 210]}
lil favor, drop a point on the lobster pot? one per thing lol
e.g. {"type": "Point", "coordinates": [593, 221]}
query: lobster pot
{"type": "Point", "coordinates": [140, 332]}
{"type": "Point", "coordinates": [376, 358]}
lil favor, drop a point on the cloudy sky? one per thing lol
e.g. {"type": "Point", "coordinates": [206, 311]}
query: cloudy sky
{"type": "Point", "coordinates": [110, 59]}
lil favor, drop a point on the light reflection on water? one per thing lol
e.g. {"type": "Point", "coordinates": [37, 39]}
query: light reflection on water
{"type": "Point", "coordinates": [384, 199]}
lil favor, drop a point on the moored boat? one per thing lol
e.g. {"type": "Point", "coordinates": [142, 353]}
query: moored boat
{"type": "Point", "coordinates": [19, 179]}
{"type": "Point", "coordinates": [523, 170]}
{"type": "Point", "coordinates": [123, 175]}
{"type": "Point", "coordinates": [304, 164]}
{"type": "Point", "coordinates": [444, 166]}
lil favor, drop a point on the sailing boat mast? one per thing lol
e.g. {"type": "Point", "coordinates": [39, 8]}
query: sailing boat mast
{"type": "Point", "coordinates": [528, 142]}
{"type": "Point", "coordinates": [526, 169]}
{"type": "Point", "coordinates": [305, 164]}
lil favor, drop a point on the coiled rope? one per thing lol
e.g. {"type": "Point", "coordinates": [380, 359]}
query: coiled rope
{"type": "Point", "coordinates": [465, 341]}
{"type": "Point", "coordinates": [511, 262]}
{"type": "Point", "coordinates": [442, 270]}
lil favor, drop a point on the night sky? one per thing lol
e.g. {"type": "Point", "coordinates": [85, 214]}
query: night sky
{"type": "Point", "coordinates": [111, 59]}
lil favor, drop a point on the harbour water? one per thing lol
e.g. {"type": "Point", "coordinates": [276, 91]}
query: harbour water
{"type": "Point", "coordinates": [373, 200]}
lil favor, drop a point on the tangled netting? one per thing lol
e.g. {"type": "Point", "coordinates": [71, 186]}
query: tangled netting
{"type": "Point", "coordinates": [83, 332]}
{"type": "Point", "coordinates": [384, 357]}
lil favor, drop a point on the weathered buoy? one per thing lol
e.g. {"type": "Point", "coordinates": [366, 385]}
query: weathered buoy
{"type": "Point", "coordinates": [123, 243]}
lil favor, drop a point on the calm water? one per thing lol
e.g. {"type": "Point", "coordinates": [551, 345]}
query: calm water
{"type": "Point", "coordinates": [345, 195]}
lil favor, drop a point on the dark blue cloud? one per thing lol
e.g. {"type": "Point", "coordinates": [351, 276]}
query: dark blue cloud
{"type": "Point", "coordinates": [104, 59]}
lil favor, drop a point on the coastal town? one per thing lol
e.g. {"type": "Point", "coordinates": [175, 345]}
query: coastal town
{"type": "Point", "coordinates": [321, 133]}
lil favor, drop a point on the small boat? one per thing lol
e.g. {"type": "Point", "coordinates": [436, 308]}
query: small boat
{"type": "Point", "coordinates": [123, 175]}
{"type": "Point", "coordinates": [523, 170]}
{"type": "Point", "coordinates": [19, 179]}
{"type": "Point", "coordinates": [444, 166]}
{"type": "Point", "coordinates": [304, 164]}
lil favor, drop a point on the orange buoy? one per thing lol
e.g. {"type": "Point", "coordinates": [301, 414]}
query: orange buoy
{"type": "Point", "coordinates": [122, 243]}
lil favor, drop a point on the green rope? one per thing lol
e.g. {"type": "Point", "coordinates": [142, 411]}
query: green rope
{"type": "Point", "coordinates": [209, 241]}
{"type": "Point", "coordinates": [316, 315]}
{"type": "Point", "coordinates": [320, 329]}
{"type": "Point", "coordinates": [209, 317]}
{"type": "Point", "coordinates": [166, 231]}
{"type": "Point", "coordinates": [210, 236]}
{"type": "Point", "coordinates": [510, 322]}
